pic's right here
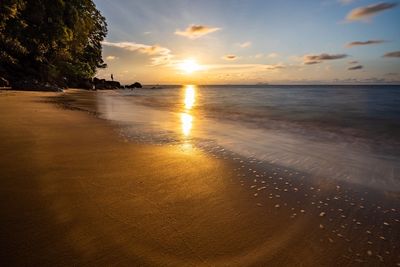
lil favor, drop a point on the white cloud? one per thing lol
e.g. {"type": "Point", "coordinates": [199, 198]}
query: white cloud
{"type": "Point", "coordinates": [245, 44]}
{"type": "Point", "coordinates": [111, 58]}
{"type": "Point", "coordinates": [196, 31]}
{"type": "Point", "coordinates": [366, 12]}
{"type": "Point", "coordinates": [248, 67]}
{"type": "Point", "coordinates": [160, 55]}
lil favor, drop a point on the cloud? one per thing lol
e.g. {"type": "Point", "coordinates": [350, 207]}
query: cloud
{"type": "Point", "coordinates": [274, 66]}
{"type": "Point", "coordinates": [366, 12]}
{"type": "Point", "coordinates": [392, 74]}
{"type": "Point", "coordinates": [273, 55]}
{"type": "Point", "coordinates": [315, 59]}
{"type": "Point", "coordinates": [312, 62]}
{"type": "Point", "coordinates": [369, 42]}
{"type": "Point", "coordinates": [364, 80]}
{"type": "Point", "coordinates": [245, 44]}
{"type": "Point", "coordinates": [392, 54]}
{"type": "Point", "coordinates": [357, 67]}
{"type": "Point", "coordinates": [161, 55]}
{"type": "Point", "coordinates": [259, 55]}
{"type": "Point", "coordinates": [373, 80]}
{"type": "Point", "coordinates": [196, 31]}
{"type": "Point", "coordinates": [142, 48]}
{"type": "Point", "coordinates": [111, 57]}
{"type": "Point", "coordinates": [325, 56]}
{"type": "Point", "coordinates": [230, 57]}
{"type": "Point", "coordinates": [247, 67]}
{"type": "Point", "coordinates": [353, 62]}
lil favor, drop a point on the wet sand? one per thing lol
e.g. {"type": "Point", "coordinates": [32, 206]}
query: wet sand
{"type": "Point", "coordinates": [75, 192]}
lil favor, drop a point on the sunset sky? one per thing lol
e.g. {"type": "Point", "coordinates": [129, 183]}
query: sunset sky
{"type": "Point", "coordinates": [244, 42]}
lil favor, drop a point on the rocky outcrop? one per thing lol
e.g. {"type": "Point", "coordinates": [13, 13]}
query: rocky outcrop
{"type": "Point", "coordinates": [34, 85]}
{"type": "Point", "coordinates": [101, 84]}
{"type": "Point", "coordinates": [134, 85]}
{"type": "Point", "coordinates": [89, 84]}
{"type": "Point", "coordinates": [86, 84]}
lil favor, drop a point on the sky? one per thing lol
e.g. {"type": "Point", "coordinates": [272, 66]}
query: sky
{"type": "Point", "coordinates": [251, 41]}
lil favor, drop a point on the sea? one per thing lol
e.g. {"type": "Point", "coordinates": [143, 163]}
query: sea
{"type": "Point", "coordinates": [340, 132]}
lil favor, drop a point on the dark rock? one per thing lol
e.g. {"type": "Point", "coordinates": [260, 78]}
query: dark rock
{"type": "Point", "coordinates": [134, 85]}
{"type": "Point", "coordinates": [102, 84]}
{"type": "Point", "coordinates": [4, 82]}
{"type": "Point", "coordinates": [35, 85]}
{"type": "Point", "coordinates": [113, 84]}
{"type": "Point", "coordinates": [98, 81]}
{"type": "Point", "coordinates": [86, 84]}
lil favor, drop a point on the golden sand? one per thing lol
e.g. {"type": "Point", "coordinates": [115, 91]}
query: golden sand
{"type": "Point", "coordinates": [74, 192]}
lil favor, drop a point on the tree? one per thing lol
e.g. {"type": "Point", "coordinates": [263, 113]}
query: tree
{"type": "Point", "coordinates": [54, 41]}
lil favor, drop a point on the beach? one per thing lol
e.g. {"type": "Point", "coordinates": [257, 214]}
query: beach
{"type": "Point", "coordinates": [75, 190]}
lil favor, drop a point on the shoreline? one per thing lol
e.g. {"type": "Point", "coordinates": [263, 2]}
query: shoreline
{"type": "Point", "coordinates": [75, 192]}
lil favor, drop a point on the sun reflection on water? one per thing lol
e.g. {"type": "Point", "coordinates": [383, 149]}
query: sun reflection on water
{"type": "Point", "coordinates": [186, 117]}
{"type": "Point", "coordinates": [189, 96]}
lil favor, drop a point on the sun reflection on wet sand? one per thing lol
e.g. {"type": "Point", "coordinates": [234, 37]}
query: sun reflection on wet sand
{"type": "Point", "coordinates": [186, 121]}
{"type": "Point", "coordinates": [186, 117]}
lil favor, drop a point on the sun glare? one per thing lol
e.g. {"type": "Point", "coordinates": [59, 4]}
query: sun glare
{"type": "Point", "coordinates": [189, 66]}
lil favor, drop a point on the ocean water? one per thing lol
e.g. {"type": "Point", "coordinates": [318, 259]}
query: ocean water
{"type": "Point", "coordinates": [349, 133]}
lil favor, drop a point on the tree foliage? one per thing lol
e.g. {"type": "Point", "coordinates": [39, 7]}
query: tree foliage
{"type": "Point", "coordinates": [50, 40]}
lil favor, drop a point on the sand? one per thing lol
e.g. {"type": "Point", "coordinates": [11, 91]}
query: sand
{"type": "Point", "coordinates": [75, 192]}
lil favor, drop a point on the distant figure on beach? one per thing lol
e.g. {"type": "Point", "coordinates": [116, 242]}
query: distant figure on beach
{"type": "Point", "coordinates": [112, 77]}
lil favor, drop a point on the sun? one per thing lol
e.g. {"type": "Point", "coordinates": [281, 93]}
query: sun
{"type": "Point", "coordinates": [189, 66]}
